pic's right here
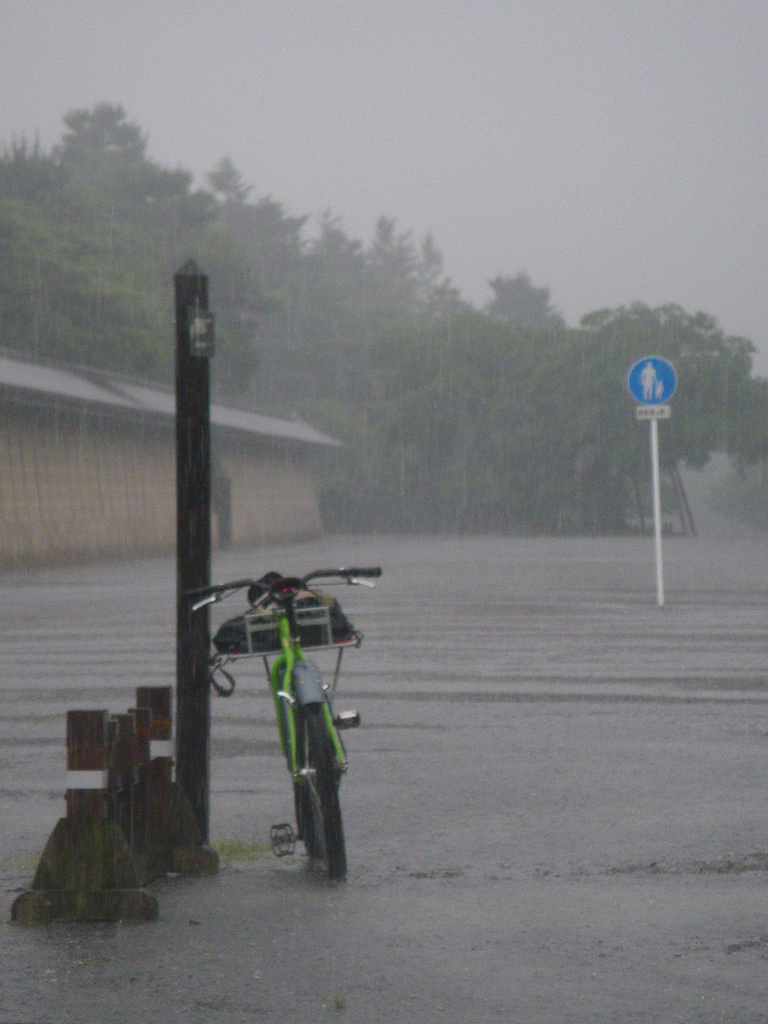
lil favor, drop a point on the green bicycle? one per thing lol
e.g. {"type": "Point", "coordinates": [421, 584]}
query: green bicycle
{"type": "Point", "coordinates": [286, 616]}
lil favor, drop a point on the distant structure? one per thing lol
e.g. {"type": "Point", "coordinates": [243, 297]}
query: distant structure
{"type": "Point", "coordinates": [87, 470]}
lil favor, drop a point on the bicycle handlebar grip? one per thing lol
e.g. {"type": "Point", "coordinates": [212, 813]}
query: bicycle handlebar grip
{"type": "Point", "coordinates": [372, 572]}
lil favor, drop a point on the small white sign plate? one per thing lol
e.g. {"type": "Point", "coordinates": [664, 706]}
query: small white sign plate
{"type": "Point", "coordinates": [653, 412]}
{"type": "Point", "coordinates": [200, 332]}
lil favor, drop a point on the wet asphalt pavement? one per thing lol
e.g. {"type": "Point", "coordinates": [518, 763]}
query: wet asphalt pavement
{"type": "Point", "coordinates": [556, 809]}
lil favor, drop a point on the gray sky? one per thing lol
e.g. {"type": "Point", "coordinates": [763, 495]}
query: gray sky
{"type": "Point", "coordinates": [616, 151]}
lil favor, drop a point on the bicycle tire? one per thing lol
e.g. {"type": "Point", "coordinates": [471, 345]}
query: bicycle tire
{"type": "Point", "coordinates": [306, 817]}
{"type": "Point", "coordinates": [323, 794]}
{"type": "Point", "coordinates": [305, 820]}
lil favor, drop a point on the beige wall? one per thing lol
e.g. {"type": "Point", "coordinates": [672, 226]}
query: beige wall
{"type": "Point", "coordinates": [271, 499]}
{"type": "Point", "coordinates": [75, 487]}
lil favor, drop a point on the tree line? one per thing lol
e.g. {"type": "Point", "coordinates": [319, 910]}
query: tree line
{"type": "Point", "coordinates": [453, 418]}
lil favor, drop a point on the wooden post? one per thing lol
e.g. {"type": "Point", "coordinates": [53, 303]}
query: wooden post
{"type": "Point", "coordinates": [142, 724]}
{"type": "Point", "coordinates": [193, 547]}
{"type": "Point", "coordinates": [157, 700]}
{"type": "Point", "coordinates": [87, 768]}
{"type": "Point", "coordinates": [123, 781]}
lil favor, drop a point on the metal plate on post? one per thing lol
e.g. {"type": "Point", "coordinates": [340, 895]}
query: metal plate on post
{"type": "Point", "coordinates": [201, 336]}
{"type": "Point", "coordinates": [653, 412]}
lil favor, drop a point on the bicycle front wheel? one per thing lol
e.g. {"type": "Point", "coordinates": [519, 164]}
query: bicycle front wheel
{"type": "Point", "coordinates": [323, 795]}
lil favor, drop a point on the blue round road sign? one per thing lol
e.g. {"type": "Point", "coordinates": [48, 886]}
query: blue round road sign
{"type": "Point", "coordinates": [652, 380]}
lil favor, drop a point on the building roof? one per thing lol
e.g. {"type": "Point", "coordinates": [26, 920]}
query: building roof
{"type": "Point", "coordinates": [97, 388]}
{"type": "Point", "coordinates": [49, 380]}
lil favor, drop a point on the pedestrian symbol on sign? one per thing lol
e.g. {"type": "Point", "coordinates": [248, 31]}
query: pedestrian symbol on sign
{"type": "Point", "coordinates": [653, 388]}
{"type": "Point", "coordinates": [652, 380]}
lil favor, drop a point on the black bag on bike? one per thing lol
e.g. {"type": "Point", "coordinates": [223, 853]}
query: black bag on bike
{"type": "Point", "coordinates": [319, 617]}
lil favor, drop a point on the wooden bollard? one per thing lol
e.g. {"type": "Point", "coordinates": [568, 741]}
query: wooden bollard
{"type": "Point", "coordinates": [87, 871]}
{"type": "Point", "coordinates": [87, 769]}
{"type": "Point", "coordinates": [122, 772]}
{"type": "Point", "coordinates": [175, 842]}
{"type": "Point", "coordinates": [156, 700]}
{"type": "Point", "coordinates": [142, 726]}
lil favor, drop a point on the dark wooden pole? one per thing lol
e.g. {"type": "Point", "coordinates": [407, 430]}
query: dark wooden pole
{"type": "Point", "coordinates": [193, 547]}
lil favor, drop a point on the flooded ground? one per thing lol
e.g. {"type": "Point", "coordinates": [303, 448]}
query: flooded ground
{"type": "Point", "coordinates": [556, 810]}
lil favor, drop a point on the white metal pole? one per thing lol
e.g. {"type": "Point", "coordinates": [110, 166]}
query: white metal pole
{"type": "Point", "coordinates": [657, 511]}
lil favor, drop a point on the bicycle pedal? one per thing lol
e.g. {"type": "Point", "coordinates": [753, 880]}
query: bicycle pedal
{"type": "Point", "coordinates": [347, 720]}
{"type": "Point", "coordinates": [282, 839]}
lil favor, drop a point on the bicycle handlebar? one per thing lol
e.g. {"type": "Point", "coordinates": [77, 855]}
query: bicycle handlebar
{"type": "Point", "coordinates": [217, 592]}
{"type": "Point", "coordinates": [371, 572]}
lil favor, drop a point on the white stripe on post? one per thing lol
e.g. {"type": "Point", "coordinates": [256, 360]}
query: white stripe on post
{"type": "Point", "coordinates": [78, 779]}
{"type": "Point", "coordinates": [160, 748]}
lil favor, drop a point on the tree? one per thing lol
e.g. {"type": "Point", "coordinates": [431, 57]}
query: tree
{"type": "Point", "coordinates": [391, 265]}
{"type": "Point", "coordinates": [474, 424]}
{"type": "Point", "coordinates": [227, 182]}
{"type": "Point", "coordinates": [517, 302]}
{"type": "Point", "coordinates": [453, 420]}
{"type": "Point", "coordinates": [91, 235]}
{"type": "Point", "coordinates": [435, 293]}
{"type": "Point", "coordinates": [28, 174]}
{"type": "Point", "coordinates": [99, 137]}
{"type": "Point", "coordinates": [719, 405]}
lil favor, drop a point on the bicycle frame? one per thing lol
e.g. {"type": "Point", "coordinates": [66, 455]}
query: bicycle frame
{"type": "Point", "coordinates": [281, 683]}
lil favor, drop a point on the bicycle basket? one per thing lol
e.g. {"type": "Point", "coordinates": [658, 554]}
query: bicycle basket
{"type": "Point", "coordinates": [319, 618]}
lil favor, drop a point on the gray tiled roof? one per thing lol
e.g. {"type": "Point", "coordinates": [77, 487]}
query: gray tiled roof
{"type": "Point", "coordinates": [101, 389]}
{"type": "Point", "coordinates": [48, 380]}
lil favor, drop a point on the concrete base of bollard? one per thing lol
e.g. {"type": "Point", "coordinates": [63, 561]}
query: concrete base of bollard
{"type": "Point", "coordinates": [86, 873]}
{"type": "Point", "coordinates": [86, 854]}
{"type": "Point", "coordinates": [39, 906]}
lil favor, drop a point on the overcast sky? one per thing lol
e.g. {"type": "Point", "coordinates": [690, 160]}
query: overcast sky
{"type": "Point", "coordinates": [615, 151]}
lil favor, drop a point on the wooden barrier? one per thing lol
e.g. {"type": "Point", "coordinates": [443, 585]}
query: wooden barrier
{"type": "Point", "coordinates": [126, 820]}
{"type": "Point", "coordinates": [156, 702]}
{"type": "Point", "coordinates": [122, 775]}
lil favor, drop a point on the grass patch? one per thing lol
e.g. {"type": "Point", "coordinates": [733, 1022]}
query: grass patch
{"type": "Point", "coordinates": [19, 863]}
{"type": "Point", "coordinates": [230, 849]}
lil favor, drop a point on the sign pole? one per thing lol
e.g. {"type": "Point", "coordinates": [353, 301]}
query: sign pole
{"type": "Point", "coordinates": [652, 381]}
{"type": "Point", "coordinates": [657, 510]}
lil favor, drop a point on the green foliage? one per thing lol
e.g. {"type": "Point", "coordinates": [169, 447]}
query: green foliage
{"type": "Point", "coordinates": [227, 182]}
{"type": "Point", "coordinates": [516, 301]}
{"type": "Point", "coordinates": [100, 138]}
{"type": "Point", "coordinates": [29, 175]}
{"type": "Point", "coordinates": [718, 406]}
{"type": "Point", "coordinates": [742, 495]}
{"type": "Point", "coordinates": [474, 424]}
{"type": "Point", "coordinates": [453, 420]}
{"type": "Point", "coordinates": [90, 237]}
